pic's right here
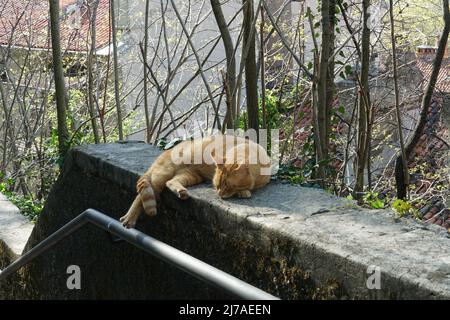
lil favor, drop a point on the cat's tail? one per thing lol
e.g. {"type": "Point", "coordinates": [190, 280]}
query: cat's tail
{"type": "Point", "coordinates": [145, 190]}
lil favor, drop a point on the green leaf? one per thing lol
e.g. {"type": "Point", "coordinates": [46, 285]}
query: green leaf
{"type": "Point", "coordinates": [377, 204]}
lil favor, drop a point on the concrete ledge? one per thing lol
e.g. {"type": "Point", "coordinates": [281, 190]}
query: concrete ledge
{"type": "Point", "coordinates": [15, 229]}
{"type": "Point", "coordinates": [294, 242]}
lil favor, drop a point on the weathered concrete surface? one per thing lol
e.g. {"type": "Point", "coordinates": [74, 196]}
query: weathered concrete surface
{"type": "Point", "coordinates": [296, 243]}
{"type": "Point", "coordinates": [15, 229]}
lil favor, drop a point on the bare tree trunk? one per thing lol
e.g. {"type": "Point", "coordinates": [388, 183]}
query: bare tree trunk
{"type": "Point", "coordinates": [330, 72]}
{"type": "Point", "coordinates": [228, 121]}
{"type": "Point", "coordinates": [147, 113]}
{"type": "Point", "coordinates": [314, 97]}
{"type": "Point", "coordinates": [8, 124]}
{"type": "Point", "coordinates": [325, 86]}
{"type": "Point", "coordinates": [61, 103]}
{"type": "Point", "coordinates": [402, 185]}
{"type": "Point", "coordinates": [322, 81]}
{"type": "Point", "coordinates": [116, 69]}
{"type": "Point", "coordinates": [251, 73]}
{"type": "Point", "coordinates": [231, 61]}
{"type": "Point", "coordinates": [397, 96]}
{"type": "Point", "coordinates": [263, 72]}
{"type": "Point", "coordinates": [364, 104]}
{"type": "Point", "coordinates": [90, 64]}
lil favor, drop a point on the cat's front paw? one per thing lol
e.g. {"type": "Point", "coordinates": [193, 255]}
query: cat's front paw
{"type": "Point", "coordinates": [245, 194]}
{"type": "Point", "coordinates": [127, 221]}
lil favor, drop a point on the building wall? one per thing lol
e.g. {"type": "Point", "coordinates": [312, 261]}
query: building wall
{"type": "Point", "coordinates": [132, 67]}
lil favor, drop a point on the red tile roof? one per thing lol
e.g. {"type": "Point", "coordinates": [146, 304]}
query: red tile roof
{"type": "Point", "coordinates": [427, 154]}
{"type": "Point", "coordinates": [426, 67]}
{"type": "Point", "coordinates": [24, 23]}
{"type": "Point", "coordinates": [429, 142]}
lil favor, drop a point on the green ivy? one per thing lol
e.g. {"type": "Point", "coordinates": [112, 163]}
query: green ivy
{"type": "Point", "coordinates": [28, 206]}
{"type": "Point", "coordinates": [373, 200]}
{"type": "Point", "coordinates": [404, 208]}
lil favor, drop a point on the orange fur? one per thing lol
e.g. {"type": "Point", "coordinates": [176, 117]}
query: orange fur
{"type": "Point", "coordinates": [229, 168]}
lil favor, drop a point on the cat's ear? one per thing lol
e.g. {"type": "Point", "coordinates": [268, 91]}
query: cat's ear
{"type": "Point", "coordinates": [218, 160]}
{"type": "Point", "coordinates": [243, 168]}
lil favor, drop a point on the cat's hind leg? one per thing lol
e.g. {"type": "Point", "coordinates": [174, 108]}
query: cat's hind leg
{"type": "Point", "coordinates": [182, 180]}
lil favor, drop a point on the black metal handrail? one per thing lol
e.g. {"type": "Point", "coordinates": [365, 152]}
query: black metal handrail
{"type": "Point", "coordinates": [161, 250]}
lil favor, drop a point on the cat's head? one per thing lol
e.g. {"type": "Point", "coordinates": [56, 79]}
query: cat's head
{"type": "Point", "coordinates": [229, 179]}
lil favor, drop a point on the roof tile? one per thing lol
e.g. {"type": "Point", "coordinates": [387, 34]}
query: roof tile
{"type": "Point", "coordinates": [25, 24]}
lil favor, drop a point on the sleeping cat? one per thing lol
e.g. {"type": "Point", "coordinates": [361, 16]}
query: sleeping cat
{"type": "Point", "coordinates": [235, 166]}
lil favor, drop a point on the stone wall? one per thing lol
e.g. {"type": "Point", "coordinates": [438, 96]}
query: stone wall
{"type": "Point", "coordinates": [294, 242]}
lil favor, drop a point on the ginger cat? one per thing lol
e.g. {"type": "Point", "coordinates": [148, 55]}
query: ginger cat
{"type": "Point", "coordinates": [235, 166]}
